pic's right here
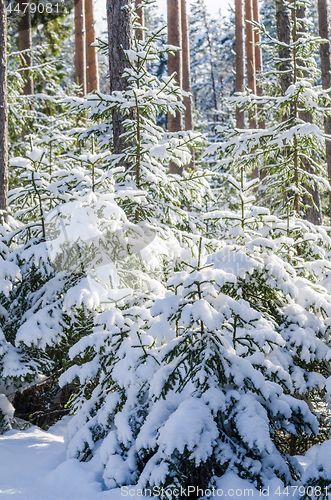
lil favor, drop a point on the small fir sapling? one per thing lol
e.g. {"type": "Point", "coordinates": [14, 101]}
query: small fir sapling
{"type": "Point", "coordinates": [234, 338]}
{"type": "Point", "coordinates": [149, 150]}
{"type": "Point", "coordinates": [287, 143]}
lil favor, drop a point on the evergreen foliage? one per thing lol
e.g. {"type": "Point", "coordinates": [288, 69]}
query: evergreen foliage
{"type": "Point", "coordinates": [189, 322]}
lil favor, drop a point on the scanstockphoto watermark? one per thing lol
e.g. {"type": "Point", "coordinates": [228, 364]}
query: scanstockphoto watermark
{"type": "Point", "coordinates": [189, 491]}
{"type": "Point", "coordinates": [37, 9]}
{"type": "Point", "coordinates": [197, 492]}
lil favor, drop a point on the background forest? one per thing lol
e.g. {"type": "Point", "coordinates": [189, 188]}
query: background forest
{"type": "Point", "coordinates": [165, 243]}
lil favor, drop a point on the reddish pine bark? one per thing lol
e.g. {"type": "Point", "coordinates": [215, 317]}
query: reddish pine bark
{"type": "Point", "coordinates": [140, 34]}
{"type": "Point", "coordinates": [251, 80]}
{"type": "Point", "coordinates": [175, 123]}
{"type": "Point", "coordinates": [80, 45]}
{"type": "Point", "coordinates": [186, 67]}
{"type": "Point", "coordinates": [3, 112]}
{"type": "Point", "coordinates": [187, 76]}
{"type": "Point", "coordinates": [323, 19]}
{"type": "Point", "coordinates": [92, 70]}
{"type": "Point", "coordinates": [257, 49]}
{"type": "Point", "coordinates": [25, 43]}
{"type": "Point", "coordinates": [240, 58]}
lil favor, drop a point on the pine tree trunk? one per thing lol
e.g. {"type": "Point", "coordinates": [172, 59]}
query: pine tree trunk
{"type": "Point", "coordinates": [251, 78]}
{"type": "Point", "coordinates": [175, 123]}
{"type": "Point", "coordinates": [3, 113]}
{"type": "Point", "coordinates": [212, 70]}
{"type": "Point", "coordinates": [284, 36]}
{"type": "Point", "coordinates": [25, 43]}
{"type": "Point", "coordinates": [240, 58]}
{"type": "Point", "coordinates": [251, 75]}
{"type": "Point", "coordinates": [258, 71]}
{"type": "Point", "coordinates": [258, 57]}
{"type": "Point", "coordinates": [257, 49]}
{"type": "Point", "coordinates": [324, 32]}
{"type": "Point", "coordinates": [140, 34]}
{"type": "Point", "coordinates": [80, 45]}
{"type": "Point", "coordinates": [186, 62]}
{"type": "Point", "coordinates": [119, 38]}
{"type": "Point", "coordinates": [186, 67]}
{"type": "Point", "coordinates": [92, 70]}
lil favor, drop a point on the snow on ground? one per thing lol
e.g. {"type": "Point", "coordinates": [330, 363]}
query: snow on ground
{"type": "Point", "coordinates": [33, 466]}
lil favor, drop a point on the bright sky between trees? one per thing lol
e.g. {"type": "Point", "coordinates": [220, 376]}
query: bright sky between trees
{"type": "Point", "coordinates": [213, 6]}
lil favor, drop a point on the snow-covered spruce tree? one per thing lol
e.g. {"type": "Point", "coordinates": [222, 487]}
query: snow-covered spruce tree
{"type": "Point", "coordinates": [179, 383]}
{"type": "Point", "coordinates": [178, 379]}
{"type": "Point", "coordinates": [164, 198]}
{"type": "Point", "coordinates": [46, 177]}
{"type": "Point", "coordinates": [162, 216]}
{"type": "Point", "coordinates": [289, 151]}
{"type": "Point", "coordinates": [250, 346]}
{"type": "Point", "coordinates": [70, 223]}
{"type": "Point", "coordinates": [80, 248]}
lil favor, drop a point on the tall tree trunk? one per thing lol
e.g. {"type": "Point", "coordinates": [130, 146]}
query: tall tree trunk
{"type": "Point", "coordinates": [92, 70]}
{"type": "Point", "coordinates": [257, 49]}
{"type": "Point", "coordinates": [284, 36]}
{"type": "Point", "coordinates": [323, 19]}
{"type": "Point", "coordinates": [186, 67]}
{"type": "Point", "coordinates": [251, 78]}
{"type": "Point", "coordinates": [186, 64]}
{"type": "Point", "coordinates": [119, 38]}
{"type": "Point", "coordinates": [140, 34]}
{"type": "Point", "coordinates": [3, 113]}
{"type": "Point", "coordinates": [175, 123]}
{"type": "Point", "coordinates": [251, 75]}
{"type": "Point", "coordinates": [240, 58]}
{"type": "Point", "coordinates": [25, 43]}
{"type": "Point", "coordinates": [313, 212]}
{"type": "Point", "coordinates": [80, 45]}
{"type": "Point", "coordinates": [258, 56]}
{"type": "Point", "coordinates": [210, 49]}
{"type": "Point", "coordinates": [258, 72]}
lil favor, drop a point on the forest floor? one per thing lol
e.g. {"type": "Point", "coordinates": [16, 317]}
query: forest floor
{"type": "Point", "coordinates": [33, 466]}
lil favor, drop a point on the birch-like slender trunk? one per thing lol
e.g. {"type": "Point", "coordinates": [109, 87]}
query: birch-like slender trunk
{"type": "Point", "coordinates": [3, 113]}
{"type": "Point", "coordinates": [240, 58]}
{"type": "Point", "coordinates": [80, 45]}
{"type": "Point", "coordinates": [92, 69]}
